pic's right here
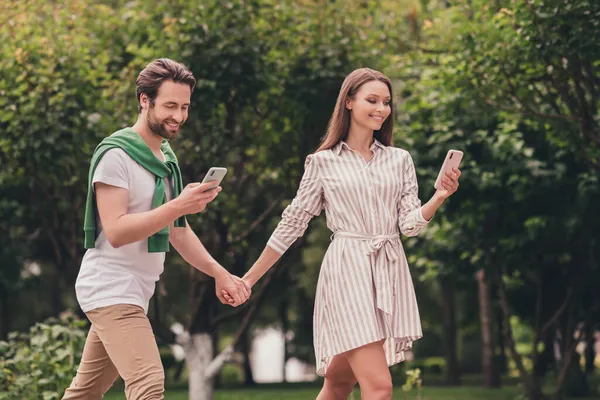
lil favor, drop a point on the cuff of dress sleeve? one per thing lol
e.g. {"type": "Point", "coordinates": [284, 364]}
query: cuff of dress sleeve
{"type": "Point", "coordinates": [276, 244]}
{"type": "Point", "coordinates": [421, 219]}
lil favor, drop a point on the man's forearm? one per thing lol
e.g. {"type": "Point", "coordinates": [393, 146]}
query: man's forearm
{"type": "Point", "coordinates": [131, 228]}
{"type": "Point", "coordinates": [193, 251]}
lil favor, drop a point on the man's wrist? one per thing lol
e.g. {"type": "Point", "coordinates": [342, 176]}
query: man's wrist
{"type": "Point", "coordinates": [217, 271]}
{"type": "Point", "coordinates": [174, 207]}
{"type": "Point", "coordinates": [248, 279]}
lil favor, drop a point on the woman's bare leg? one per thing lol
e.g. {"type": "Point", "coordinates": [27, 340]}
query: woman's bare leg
{"type": "Point", "coordinates": [339, 380]}
{"type": "Point", "coordinates": [370, 368]}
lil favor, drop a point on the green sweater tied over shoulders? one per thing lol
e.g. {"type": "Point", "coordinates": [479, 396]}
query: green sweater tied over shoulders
{"type": "Point", "coordinates": [132, 143]}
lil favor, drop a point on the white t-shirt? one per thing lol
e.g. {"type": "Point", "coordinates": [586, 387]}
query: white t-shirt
{"type": "Point", "coordinates": [126, 275]}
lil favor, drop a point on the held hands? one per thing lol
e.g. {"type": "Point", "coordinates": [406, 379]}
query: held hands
{"type": "Point", "coordinates": [229, 298]}
{"type": "Point", "coordinates": [449, 184]}
{"type": "Point", "coordinates": [232, 290]}
{"type": "Point", "coordinates": [195, 196]}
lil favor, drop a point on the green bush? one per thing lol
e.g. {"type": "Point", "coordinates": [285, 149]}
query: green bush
{"type": "Point", "coordinates": [231, 374]}
{"type": "Point", "coordinates": [428, 366]}
{"type": "Point", "coordinates": [435, 365]}
{"type": "Point", "coordinates": [169, 362]}
{"type": "Point", "coordinates": [41, 363]}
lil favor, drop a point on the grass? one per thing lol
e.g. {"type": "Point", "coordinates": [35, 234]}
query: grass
{"type": "Point", "coordinates": [435, 393]}
{"type": "Point", "coordinates": [462, 393]}
{"type": "Point", "coordinates": [433, 390]}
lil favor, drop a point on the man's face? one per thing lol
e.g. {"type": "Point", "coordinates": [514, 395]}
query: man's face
{"type": "Point", "coordinates": [169, 110]}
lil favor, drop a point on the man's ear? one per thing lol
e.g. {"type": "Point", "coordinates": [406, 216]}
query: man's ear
{"type": "Point", "coordinates": [144, 100]}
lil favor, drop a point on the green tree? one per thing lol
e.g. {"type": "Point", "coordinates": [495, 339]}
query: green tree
{"type": "Point", "coordinates": [538, 59]}
{"type": "Point", "coordinates": [54, 65]}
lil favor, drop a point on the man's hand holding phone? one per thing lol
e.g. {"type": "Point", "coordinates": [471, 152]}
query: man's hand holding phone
{"type": "Point", "coordinates": [195, 196]}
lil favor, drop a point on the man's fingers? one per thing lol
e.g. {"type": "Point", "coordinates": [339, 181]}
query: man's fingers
{"type": "Point", "coordinates": [210, 195]}
{"type": "Point", "coordinates": [208, 186]}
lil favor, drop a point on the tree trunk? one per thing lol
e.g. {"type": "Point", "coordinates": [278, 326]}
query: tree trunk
{"type": "Point", "coordinates": [245, 347]}
{"type": "Point", "coordinates": [546, 361]}
{"type": "Point", "coordinates": [218, 378]}
{"type": "Point", "coordinates": [576, 382]}
{"type": "Point", "coordinates": [450, 332]}
{"type": "Point", "coordinates": [501, 359]}
{"type": "Point", "coordinates": [590, 351]}
{"type": "Point", "coordinates": [531, 382]}
{"type": "Point", "coordinates": [283, 316]}
{"type": "Point", "coordinates": [199, 344]}
{"type": "Point", "coordinates": [490, 373]}
{"type": "Point", "coordinates": [4, 314]}
{"type": "Point", "coordinates": [58, 305]}
{"type": "Point", "coordinates": [198, 355]}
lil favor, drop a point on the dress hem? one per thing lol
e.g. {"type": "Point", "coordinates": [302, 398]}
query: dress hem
{"type": "Point", "coordinates": [402, 344]}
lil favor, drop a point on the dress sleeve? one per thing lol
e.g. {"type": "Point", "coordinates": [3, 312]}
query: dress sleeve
{"type": "Point", "coordinates": [410, 215]}
{"type": "Point", "coordinates": [307, 204]}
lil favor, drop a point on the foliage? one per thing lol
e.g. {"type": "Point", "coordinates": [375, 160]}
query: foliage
{"type": "Point", "coordinates": [512, 83]}
{"type": "Point", "coordinates": [55, 62]}
{"type": "Point", "coordinates": [41, 363]}
{"type": "Point", "coordinates": [413, 381]}
{"type": "Point", "coordinates": [524, 209]}
{"type": "Point", "coordinates": [538, 59]}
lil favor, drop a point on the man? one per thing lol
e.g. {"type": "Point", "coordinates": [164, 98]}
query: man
{"type": "Point", "coordinates": [136, 206]}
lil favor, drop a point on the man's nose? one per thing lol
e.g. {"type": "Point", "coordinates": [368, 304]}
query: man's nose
{"type": "Point", "coordinates": [177, 116]}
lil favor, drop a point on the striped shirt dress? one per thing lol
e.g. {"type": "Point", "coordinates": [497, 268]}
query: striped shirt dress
{"type": "Point", "coordinates": [364, 292]}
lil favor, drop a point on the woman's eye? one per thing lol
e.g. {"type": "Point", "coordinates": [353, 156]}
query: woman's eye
{"type": "Point", "coordinates": [372, 101]}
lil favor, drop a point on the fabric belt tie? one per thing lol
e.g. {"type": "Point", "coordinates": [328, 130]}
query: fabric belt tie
{"type": "Point", "coordinates": [381, 274]}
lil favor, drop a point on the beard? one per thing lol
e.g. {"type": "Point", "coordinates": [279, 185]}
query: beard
{"type": "Point", "coordinates": [160, 127]}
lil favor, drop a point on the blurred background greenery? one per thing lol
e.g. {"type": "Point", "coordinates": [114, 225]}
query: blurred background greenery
{"type": "Point", "coordinates": [507, 274]}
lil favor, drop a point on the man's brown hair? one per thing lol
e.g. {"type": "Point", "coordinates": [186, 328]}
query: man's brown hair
{"type": "Point", "coordinates": [158, 71]}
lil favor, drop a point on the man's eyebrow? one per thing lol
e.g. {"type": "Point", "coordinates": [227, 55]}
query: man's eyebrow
{"type": "Point", "coordinates": [175, 103]}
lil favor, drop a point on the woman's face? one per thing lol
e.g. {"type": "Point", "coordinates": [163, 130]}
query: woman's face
{"type": "Point", "coordinates": [370, 106]}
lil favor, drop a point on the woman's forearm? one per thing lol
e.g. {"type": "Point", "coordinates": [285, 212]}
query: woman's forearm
{"type": "Point", "coordinates": [431, 207]}
{"type": "Point", "coordinates": [266, 260]}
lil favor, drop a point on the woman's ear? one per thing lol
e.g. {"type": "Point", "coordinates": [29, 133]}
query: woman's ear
{"type": "Point", "coordinates": [348, 103]}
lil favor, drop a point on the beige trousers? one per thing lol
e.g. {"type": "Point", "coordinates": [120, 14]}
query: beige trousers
{"type": "Point", "coordinates": [120, 342]}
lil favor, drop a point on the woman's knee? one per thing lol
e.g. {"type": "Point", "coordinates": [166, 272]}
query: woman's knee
{"type": "Point", "coordinates": [341, 388]}
{"type": "Point", "coordinates": [381, 388]}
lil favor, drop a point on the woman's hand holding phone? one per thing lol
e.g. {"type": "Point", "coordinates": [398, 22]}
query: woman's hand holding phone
{"type": "Point", "coordinates": [449, 184]}
{"type": "Point", "coordinates": [447, 181]}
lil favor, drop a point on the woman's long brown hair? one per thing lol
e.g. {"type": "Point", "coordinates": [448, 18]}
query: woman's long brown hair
{"type": "Point", "coordinates": [337, 129]}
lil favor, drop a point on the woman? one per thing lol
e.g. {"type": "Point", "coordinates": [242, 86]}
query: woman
{"type": "Point", "coordinates": [366, 312]}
